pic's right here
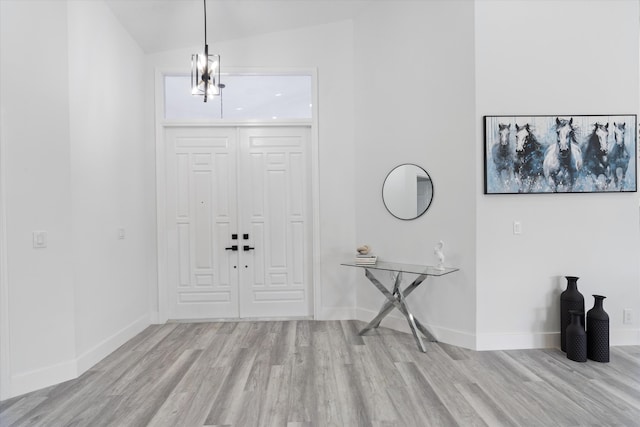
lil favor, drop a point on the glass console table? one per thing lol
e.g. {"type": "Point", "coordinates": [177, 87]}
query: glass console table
{"type": "Point", "coordinates": [396, 297]}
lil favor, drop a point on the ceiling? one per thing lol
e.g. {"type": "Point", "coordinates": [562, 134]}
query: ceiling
{"type": "Point", "coordinates": [159, 25]}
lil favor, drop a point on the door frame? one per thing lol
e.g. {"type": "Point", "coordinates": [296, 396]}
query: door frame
{"type": "Point", "coordinates": [159, 293]}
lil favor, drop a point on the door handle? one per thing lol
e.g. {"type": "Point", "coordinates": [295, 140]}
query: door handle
{"type": "Point", "coordinates": [232, 248]}
{"type": "Point", "coordinates": [247, 248]}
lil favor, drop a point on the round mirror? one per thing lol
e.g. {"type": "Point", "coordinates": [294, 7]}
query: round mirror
{"type": "Point", "coordinates": [407, 191]}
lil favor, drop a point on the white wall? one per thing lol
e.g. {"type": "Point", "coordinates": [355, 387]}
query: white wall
{"type": "Point", "coordinates": [415, 103]}
{"type": "Point", "coordinates": [560, 57]}
{"type": "Point", "coordinates": [73, 166]}
{"type": "Point", "coordinates": [112, 183]}
{"type": "Point", "coordinates": [35, 138]}
{"type": "Point", "coordinates": [329, 50]}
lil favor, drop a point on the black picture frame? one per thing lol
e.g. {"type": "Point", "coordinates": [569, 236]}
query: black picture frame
{"type": "Point", "coordinates": [560, 154]}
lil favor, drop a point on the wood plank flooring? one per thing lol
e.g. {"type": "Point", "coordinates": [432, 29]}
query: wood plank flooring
{"type": "Point", "coordinates": [314, 373]}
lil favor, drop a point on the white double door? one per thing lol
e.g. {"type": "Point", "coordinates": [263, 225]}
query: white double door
{"type": "Point", "coordinates": [238, 222]}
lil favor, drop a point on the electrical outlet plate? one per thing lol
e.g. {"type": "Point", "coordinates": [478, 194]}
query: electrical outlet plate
{"type": "Point", "coordinates": [517, 227]}
{"type": "Point", "coordinates": [627, 316]}
{"type": "Point", "coordinates": [39, 239]}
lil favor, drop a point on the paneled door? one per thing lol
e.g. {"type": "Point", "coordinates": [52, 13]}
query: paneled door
{"type": "Point", "coordinates": [201, 183]}
{"type": "Point", "coordinates": [274, 211]}
{"type": "Point", "coordinates": [238, 222]}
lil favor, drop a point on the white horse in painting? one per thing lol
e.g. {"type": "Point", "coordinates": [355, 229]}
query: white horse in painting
{"type": "Point", "coordinates": [563, 160]}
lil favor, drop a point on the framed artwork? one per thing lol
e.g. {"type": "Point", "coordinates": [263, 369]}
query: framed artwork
{"type": "Point", "coordinates": [560, 154]}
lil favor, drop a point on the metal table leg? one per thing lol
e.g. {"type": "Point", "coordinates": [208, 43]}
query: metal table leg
{"type": "Point", "coordinates": [389, 305]}
{"type": "Point", "coordinates": [397, 299]}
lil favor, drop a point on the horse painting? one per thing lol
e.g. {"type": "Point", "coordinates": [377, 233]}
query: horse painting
{"type": "Point", "coordinates": [619, 156]}
{"type": "Point", "coordinates": [502, 155]}
{"type": "Point", "coordinates": [534, 154]}
{"type": "Point", "coordinates": [563, 159]}
{"type": "Point", "coordinates": [594, 157]}
{"type": "Point", "coordinates": [527, 165]}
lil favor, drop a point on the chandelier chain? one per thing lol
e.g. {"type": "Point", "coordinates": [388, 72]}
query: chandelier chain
{"type": "Point", "coordinates": [205, 22]}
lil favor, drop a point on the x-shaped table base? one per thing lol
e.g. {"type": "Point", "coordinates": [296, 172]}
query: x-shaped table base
{"type": "Point", "coordinates": [397, 299]}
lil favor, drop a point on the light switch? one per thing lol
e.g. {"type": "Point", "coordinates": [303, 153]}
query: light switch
{"type": "Point", "coordinates": [39, 239]}
{"type": "Point", "coordinates": [120, 233]}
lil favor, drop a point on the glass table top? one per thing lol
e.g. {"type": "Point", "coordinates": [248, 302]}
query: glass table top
{"type": "Point", "coordinates": [429, 270]}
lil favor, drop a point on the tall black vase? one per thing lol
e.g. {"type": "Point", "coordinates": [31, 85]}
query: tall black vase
{"type": "Point", "coordinates": [570, 299]}
{"type": "Point", "coordinates": [598, 332]}
{"type": "Point", "coordinates": [576, 338]}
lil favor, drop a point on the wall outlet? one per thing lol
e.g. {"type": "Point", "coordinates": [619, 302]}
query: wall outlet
{"type": "Point", "coordinates": [627, 316]}
{"type": "Point", "coordinates": [517, 227]}
{"type": "Point", "coordinates": [39, 239]}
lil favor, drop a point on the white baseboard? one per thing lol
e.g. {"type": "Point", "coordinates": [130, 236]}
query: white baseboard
{"type": "Point", "coordinates": [445, 335]}
{"type": "Point", "coordinates": [108, 345]}
{"type": "Point", "coordinates": [454, 337]}
{"type": "Point", "coordinates": [547, 340]}
{"type": "Point", "coordinates": [336, 313]}
{"type": "Point", "coordinates": [517, 341]}
{"type": "Point", "coordinates": [40, 378]}
{"type": "Point", "coordinates": [624, 337]}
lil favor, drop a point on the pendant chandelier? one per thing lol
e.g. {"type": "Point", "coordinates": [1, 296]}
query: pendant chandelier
{"type": "Point", "coordinates": [205, 69]}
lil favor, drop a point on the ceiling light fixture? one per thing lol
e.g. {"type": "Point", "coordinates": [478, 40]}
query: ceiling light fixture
{"type": "Point", "coordinates": [205, 69]}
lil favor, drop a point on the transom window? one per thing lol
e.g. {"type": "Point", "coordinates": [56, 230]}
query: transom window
{"type": "Point", "coordinates": [263, 97]}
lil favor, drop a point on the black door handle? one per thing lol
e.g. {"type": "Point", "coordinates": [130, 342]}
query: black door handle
{"type": "Point", "coordinates": [232, 248]}
{"type": "Point", "coordinates": [247, 248]}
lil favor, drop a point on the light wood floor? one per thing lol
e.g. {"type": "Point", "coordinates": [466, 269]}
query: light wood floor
{"type": "Point", "coordinates": [312, 373]}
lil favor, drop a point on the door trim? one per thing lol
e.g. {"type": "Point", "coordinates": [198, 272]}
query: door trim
{"type": "Point", "coordinates": [160, 310]}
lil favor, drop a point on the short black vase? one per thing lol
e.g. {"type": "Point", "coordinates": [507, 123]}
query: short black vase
{"type": "Point", "coordinates": [570, 299]}
{"type": "Point", "coordinates": [576, 338]}
{"type": "Point", "coordinates": [598, 332]}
